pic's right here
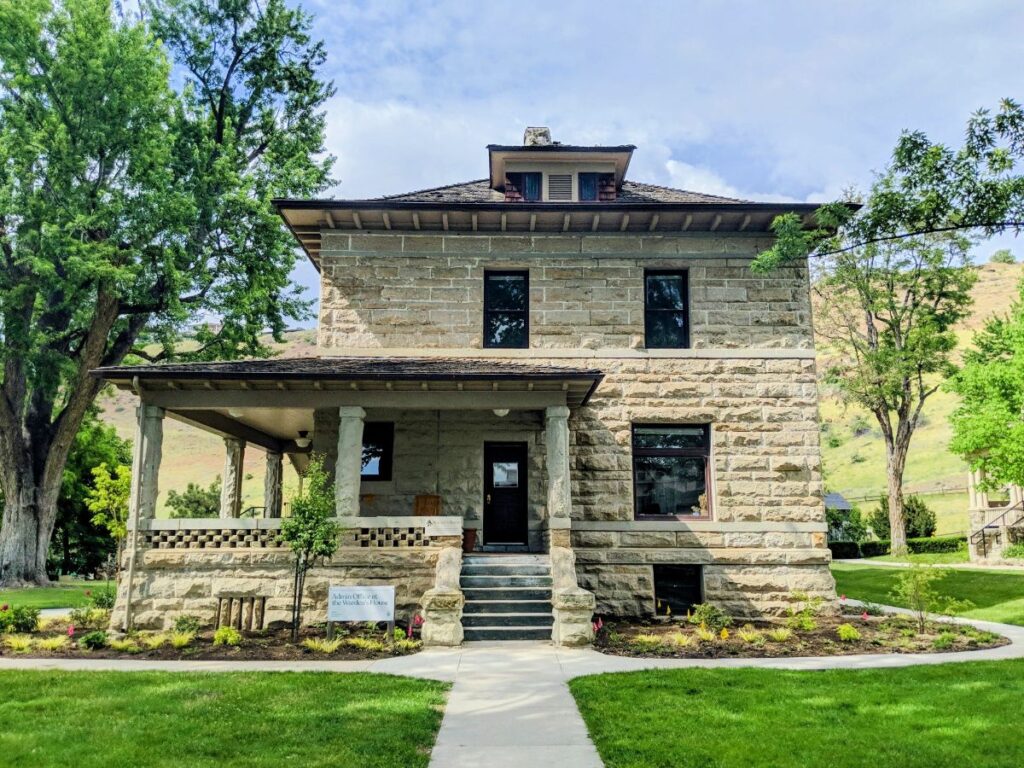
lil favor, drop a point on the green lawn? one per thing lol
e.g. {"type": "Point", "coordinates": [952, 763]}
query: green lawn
{"type": "Point", "coordinates": [155, 719]}
{"type": "Point", "coordinates": [67, 595]}
{"type": "Point", "coordinates": [928, 558]}
{"type": "Point", "coordinates": [997, 595]}
{"type": "Point", "coordinates": [918, 717]}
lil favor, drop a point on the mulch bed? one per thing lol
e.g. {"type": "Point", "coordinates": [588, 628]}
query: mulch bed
{"type": "Point", "coordinates": [269, 645]}
{"type": "Point", "coordinates": [875, 634]}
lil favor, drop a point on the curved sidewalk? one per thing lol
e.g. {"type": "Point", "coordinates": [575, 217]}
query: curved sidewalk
{"type": "Point", "coordinates": [510, 705]}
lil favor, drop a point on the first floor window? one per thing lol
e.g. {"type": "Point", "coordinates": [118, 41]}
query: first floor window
{"type": "Point", "coordinates": [677, 589]}
{"type": "Point", "coordinates": [671, 470]}
{"type": "Point", "coordinates": [378, 449]}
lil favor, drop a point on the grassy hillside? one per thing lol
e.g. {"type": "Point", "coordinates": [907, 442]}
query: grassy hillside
{"type": "Point", "coordinates": [852, 447]}
{"type": "Point", "coordinates": [854, 455]}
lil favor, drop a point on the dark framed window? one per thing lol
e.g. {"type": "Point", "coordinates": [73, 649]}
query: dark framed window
{"type": "Point", "coordinates": [677, 589]}
{"type": "Point", "coordinates": [589, 186]}
{"type": "Point", "coordinates": [378, 450]}
{"type": "Point", "coordinates": [671, 471]}
{"type": "Point", "coordinates": [666, 310]}
{"type": "Point", "coordinates": [525, 186]}
{"type": "Point", "coordinates": [507, 309]}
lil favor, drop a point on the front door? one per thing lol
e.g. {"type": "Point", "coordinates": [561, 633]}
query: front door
{"type": "Point", "coordinates": [505, 497]}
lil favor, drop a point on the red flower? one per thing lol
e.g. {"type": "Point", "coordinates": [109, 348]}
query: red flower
{"type": "Point", "coordinates": [4, 607]}
{"type": "Point", "coordinates": [88, 593]}
{"type": "Point", "coordinates": [71, 630]}
{"type": "Point", "coordinates": [417, 620]}
{"type": "Point", "coordinates": [409, 632]}
{"type": "Point", "coordinates": [842, 597]}
{"type": "Point", "coordinates": [864, 615]}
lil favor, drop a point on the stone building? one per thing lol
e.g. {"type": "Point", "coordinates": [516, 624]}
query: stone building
{"type": "Point", "coordinates": [575, 374]}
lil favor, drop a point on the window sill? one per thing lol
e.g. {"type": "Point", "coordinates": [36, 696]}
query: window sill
{"type": "Point", "coordinates": [672, 518]}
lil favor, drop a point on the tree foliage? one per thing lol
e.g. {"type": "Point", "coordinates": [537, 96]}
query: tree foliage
{"type": "Point", "coordinates": [1002, 256]}
{"type": "Point", "coordinates": [132, 214]}
{"type": "Point", "coordinates": [108, 502]}
{"type": "Point", "coordinates": [926, 188]}
{"type": "Point", "coordinates": [919, 519]}
{"type": "Point", "coordinates": [988, 424]}
{"type": "Point", "coordinates": [196, 501]}
{"type": "Point", "coordinates": [311, 532]}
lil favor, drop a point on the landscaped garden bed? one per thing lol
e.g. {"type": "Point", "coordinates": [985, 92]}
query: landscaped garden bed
{"type": "Point", "coordinates": [708, 634]}
{"type": "Point", "coordinates": [83, 635]}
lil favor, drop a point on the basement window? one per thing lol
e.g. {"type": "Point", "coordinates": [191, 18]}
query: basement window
{"type": "Point", "coordinates": [671, 465]}
{"type": "Point", "coordinates": [677, 589]}
{"type": "Point", "coordinates": [378, 450]}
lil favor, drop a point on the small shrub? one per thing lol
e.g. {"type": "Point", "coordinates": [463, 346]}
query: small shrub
{"type": "Point", "coordinates": [645, 643]}
{"type": "Point", "coordinates": [780, 634]}
{"type": "Point", "coordinates": [832, 440]}
{"type": "Point", "coordinates": [89, 618]}
{"type": "Point", "coordinates": [20, 618]}
{"type": "Point", "coordinates": [407, 645]}
{"type": "Point", "coordinates": [937, 544]}
{"type": "Point", "coordinates": [94, 640]}
{"type": "Point", "coordinates": [943, 641]}
{"type": "Point", "coordinates": [874, 548]}
{"type": "Point", "coordinates": [181, 640]}
{"type": "Point", "coordinates": [844, 550]}
{"type": "Point", "coordinates": [848, 633]}
{"type": "Point", "coordinates": [322, 645]}
{"type": "Point", "coordinates": [187, 623]}
{"type": "Point", "coordinates": [125, 645]}
{"type": "Point", "coordinates": [801, 613]}
{"type": "Point", "coordinates": [1014, 551]}
{"type": "Point", "coordinates": [154, 641]}
{"type": "Point", "coordinates": [58, 643]}
{"type": "Point", "coordinates": [918, 518]}
{"type": "Point", "coordinates": [227, 636]}
{"type": "Point", "coordinates": [710, 616]}
{"type": "Point", "coordinates": [914, 589]}
{"type": "Point", "coordinates": [857, 459]}
{"type": "Point", "coordinates": [748, 634]}
{"type": "Point", "coordinates": [103, 598]}
{"type": "Point", "coordinates": [1002, 256]}
{"type": "Point", "coordinates": [367, 644]}
{"type": "Point", "coordinates": [18, 643]}
{"type": "Point", "coordinates": [681, 640]}
{"type": "Point", "coordinates": [705, 635]}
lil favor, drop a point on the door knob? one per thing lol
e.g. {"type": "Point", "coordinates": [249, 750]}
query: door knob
{"type": "Point", "coordinates": [487, 498]}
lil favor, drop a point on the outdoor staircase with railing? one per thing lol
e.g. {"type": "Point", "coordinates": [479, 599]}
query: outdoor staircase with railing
{"type": "Point", "coordinates": [1011, 518]}
{"type": "Point", "coordinates": [508, 597]}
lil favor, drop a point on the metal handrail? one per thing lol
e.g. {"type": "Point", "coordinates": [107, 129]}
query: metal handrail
{"type": "Point", "coordinates": [979, 535]}
{"type": "Point", "coordinates": [254, 512]}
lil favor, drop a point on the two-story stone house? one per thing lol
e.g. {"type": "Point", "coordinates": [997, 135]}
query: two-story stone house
{"type": "Point", "coordinates": [579, 370]}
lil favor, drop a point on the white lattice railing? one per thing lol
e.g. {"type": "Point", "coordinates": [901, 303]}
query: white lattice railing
{"type": "Point", "coordinates": [242, 533]}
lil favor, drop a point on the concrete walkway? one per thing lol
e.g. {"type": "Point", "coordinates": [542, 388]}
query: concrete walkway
{"type": "Point", "coordinates": [955, 566]}
{"type": "Point", "coordinates": [509, 705]}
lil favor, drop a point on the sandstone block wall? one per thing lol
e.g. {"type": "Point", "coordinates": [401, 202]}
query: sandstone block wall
{"type": "Point", "coordinates": [426, 291]}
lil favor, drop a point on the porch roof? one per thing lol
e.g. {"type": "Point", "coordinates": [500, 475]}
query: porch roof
{"type": "Point", "coordinates": [325, 375]}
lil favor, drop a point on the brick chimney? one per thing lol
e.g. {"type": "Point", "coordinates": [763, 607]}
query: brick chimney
{"type": "Point", "coordinates": [537, 137]}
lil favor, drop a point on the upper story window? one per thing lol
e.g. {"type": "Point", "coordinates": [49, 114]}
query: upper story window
{"type": "Point", "coordinates": [378, 450]}
{"type": "Point", "coordinates": [666, 310]}
{"type": "Point", "coordinates": [507, 309]}
{"type": "Point", "coordinates": [523, 186]}
{"type": "Point", "coordinates": [596, 186]}
{"type": "Point", "coordinates": [671, 466]}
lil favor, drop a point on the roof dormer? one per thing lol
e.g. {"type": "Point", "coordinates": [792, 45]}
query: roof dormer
{"type": "Point", "coordinates": [543, 170]}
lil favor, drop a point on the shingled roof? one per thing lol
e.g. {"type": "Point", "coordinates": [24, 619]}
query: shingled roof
{"type": "Point", "coordinates": [479, 191]}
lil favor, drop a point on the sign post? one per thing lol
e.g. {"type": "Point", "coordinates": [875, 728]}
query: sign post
{"type": "Point", "coordinates": [347, 603]}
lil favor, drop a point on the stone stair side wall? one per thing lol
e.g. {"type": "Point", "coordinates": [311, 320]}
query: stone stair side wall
{"type": "Point", "coordinates": [443, 602]}
{"type": "Point", "coordinates": [573, 606]}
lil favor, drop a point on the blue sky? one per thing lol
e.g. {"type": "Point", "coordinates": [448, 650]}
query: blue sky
{"type": "Point", "coordinates": [762, 100]}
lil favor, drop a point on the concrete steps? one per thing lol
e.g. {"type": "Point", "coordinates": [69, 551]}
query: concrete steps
{"type": "Point", "coordinates": [508, 597]}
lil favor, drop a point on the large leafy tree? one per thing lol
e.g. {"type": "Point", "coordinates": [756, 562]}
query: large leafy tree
{"type": "Point", "coordinates": [988, 425]}
{"type": "Point", "coordinates": [130, 212]}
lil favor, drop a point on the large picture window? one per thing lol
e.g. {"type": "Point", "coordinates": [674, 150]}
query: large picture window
{"type": "Point", "coordinates": [666, 311]}
{"type": "Point", "coordinates": [671, 470]}
{"type": "Point", "coordinates": [378, 450]}
{"type": "Point", "coordinates": [507, 310]}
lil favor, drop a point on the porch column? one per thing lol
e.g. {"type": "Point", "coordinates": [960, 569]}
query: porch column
{"type": "Point", "coordinates": [349, 465]}
{"type": "Point", "coordinates": [231, 485]}
{"type": "Point", "coordinates": [272, 485]}
{"type": "Point", "coordinates": [557, 440]}
{"type": "Point", "coordinates": [149, 436]}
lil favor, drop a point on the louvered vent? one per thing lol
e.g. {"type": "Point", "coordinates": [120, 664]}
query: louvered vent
{"type": "Point", "coordinates": [560, 186]}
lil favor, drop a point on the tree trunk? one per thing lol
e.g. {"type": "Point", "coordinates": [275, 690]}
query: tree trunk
{"type": "Point", "coordinates": [896, 459]}
{"type": "Point", "coordinates": [24, 539]}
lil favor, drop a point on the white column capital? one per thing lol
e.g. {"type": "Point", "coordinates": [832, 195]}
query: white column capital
{"type": "Point", "coordinates": [557, 412]}
{"type": "Point", "coordinates": [351, 412]}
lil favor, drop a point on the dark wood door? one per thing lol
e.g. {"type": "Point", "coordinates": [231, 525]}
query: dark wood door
{"type": "Point", "coordinates": [505, 495]}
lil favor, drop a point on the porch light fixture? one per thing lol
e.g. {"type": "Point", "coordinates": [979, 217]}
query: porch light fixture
{"type": "Point", "coordinates": [303, 440]}
{"type": "Point", "coordinates": [500, 412]}
{"type": "Point", "coordinates": [234, 413]}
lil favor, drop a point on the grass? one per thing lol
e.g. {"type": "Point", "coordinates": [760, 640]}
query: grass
{"type": "Point", "coordinates": [115, 719]}
{"type": "Point", "coordinates": [917, 717]}
{"type": "Point", "coordinates": [926, 558]}
{"type": "Point", "coordinates": [69, 594]}
{"type": "Point", "coordinates": [997, 595]}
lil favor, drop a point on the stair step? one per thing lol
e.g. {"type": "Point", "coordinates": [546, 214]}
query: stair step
{"type": "Point", "coordinates": [505, 581]}
{"type": "Point", "coordinates": [507, 593]}
{"type": "Point", "coordinates": [507, 606]}
{"type": "Point", "coordinates": [499, 620]}
{"type": "Point", "coordinates": [524, 559]}
{"type": "Point", "coordinates": [506, 633]}
{"type": "Point", "coordinates": [505, 570]}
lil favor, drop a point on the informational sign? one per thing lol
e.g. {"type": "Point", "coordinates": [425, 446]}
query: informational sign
{"type": "Point", "coordinates": [361, 604]}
